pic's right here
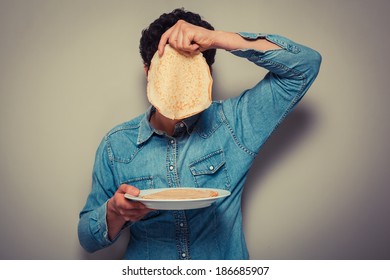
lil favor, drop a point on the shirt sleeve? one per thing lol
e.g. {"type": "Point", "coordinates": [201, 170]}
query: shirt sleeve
{"type": "Point", "coordinates": [92, 227]}
{"type": "Point", "coordinates": [256, 113]}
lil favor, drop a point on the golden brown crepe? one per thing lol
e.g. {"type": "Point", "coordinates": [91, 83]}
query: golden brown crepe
{"type": "Point", "coordinates": [176, 194]}
{"type": "Point", "coordinates": [179, 86]}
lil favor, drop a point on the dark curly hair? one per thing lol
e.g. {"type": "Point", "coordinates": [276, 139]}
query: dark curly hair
{"type": "Point", "coordinates": [151, 36]}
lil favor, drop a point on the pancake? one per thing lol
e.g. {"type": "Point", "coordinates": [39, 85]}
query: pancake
{"type": "Point", "coordinates": [179, 86]}
{"type": "Point", "coordinates": [179, 194]}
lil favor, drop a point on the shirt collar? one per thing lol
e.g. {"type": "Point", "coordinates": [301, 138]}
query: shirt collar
{"type": "Point", "coordinates": [190, 122]}
{"type": "Point", "coordinates": [146, 130]}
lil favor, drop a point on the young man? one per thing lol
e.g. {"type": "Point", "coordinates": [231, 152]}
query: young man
{"type": "Point", "coordinates": [214, 148]}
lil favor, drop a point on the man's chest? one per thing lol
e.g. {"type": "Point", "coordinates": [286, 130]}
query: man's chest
{"type": "Point", "coordinates": [190, 161]}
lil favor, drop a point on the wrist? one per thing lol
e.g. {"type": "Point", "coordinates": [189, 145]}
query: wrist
{"type": "Point", "coordinates": [112, 212]}
{"type": "Point", "coordinates": [226, 40]}
{"type": "Point", "coordinates": [114, 220]}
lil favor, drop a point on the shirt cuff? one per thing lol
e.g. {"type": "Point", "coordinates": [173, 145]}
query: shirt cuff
{"type": "Point", "coordinates": [281, 41]}
{"type": "Point", "coordinates": [252, 36]}
{"type": "Point", "coordinates": [98, 226]}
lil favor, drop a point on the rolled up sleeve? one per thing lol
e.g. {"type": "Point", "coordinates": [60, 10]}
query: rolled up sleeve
{"type": "Point", "coordinates": [92, 227]}
{"type": "Point", "coordinates": [256, 113]}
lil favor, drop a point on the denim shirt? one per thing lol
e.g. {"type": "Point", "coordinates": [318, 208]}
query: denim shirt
{"type": "Point", "coordinates": [213, 149]}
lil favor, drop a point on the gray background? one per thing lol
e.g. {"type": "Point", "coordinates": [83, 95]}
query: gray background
{"type": "Point", "coordinates": [70, 71]}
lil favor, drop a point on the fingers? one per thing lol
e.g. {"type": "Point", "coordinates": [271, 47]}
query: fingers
{"type": "Point", "coordinates": [181, 37]}
{"type": "Point", "coordinates": [163, 41]}
{"type": "Point", "coordinates": [127, 210]}
{"type": "Point", "coordinates": [135, 212]}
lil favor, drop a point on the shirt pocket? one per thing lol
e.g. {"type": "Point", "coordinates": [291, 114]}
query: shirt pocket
{"type": "Point", "coordinates": [210, 171]}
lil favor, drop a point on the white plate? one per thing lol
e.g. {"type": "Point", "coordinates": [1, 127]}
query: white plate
{"type": "Point", "coordinates": [176, 204]}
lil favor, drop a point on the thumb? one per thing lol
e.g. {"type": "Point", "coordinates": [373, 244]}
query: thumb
{"type": "Point", "coordinates": [124, 188]}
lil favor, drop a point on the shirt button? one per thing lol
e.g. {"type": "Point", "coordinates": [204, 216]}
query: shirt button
{"type": "Point", "coordinates": [181, 124]}
{"type": "Point", "coordinates": [183, 255]}
{"type": "Point", "coordinates": [171, 167]}
{"type": "Point", "coordinates": [172, 141]}
{"type": "Point", "coordinates": [181, 224]}
{"type": "Point", "coordinates": [211, 168]}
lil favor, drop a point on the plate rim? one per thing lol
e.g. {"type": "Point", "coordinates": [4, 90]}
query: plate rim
{"type": "Point", "coordinates": [137, 198]}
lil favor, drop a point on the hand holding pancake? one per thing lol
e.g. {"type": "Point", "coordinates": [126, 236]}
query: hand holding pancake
{"type": "Point", "coordinates": [187, 38]}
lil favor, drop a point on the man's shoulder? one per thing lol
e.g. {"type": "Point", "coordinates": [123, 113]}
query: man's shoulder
{"type": "Point", "coordinates": [121, 139]}
{"type": "Point", "coordinates": [126, 127]}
